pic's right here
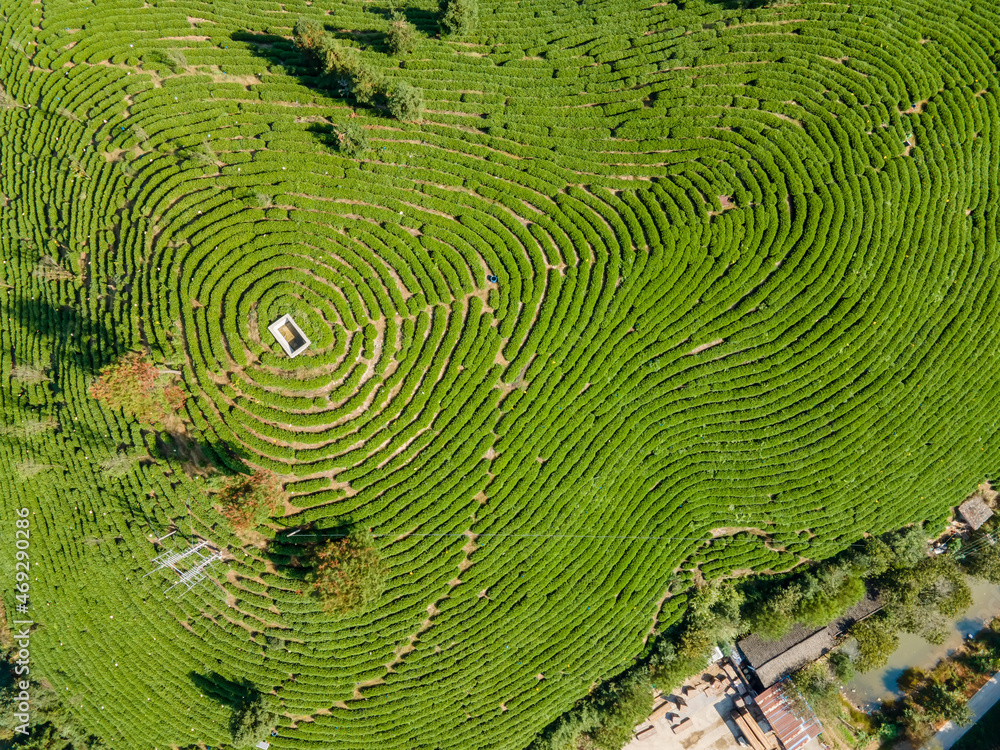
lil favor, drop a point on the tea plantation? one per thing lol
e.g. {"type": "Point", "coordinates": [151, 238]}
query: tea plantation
{"type": "Point", "coordinates": [746, 268]}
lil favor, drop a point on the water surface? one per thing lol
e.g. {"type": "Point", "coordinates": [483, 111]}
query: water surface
{"type": "Point", "coordinates": [867, 689]}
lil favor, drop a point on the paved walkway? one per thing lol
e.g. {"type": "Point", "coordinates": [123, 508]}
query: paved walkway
{"type": "Point", "coordinates": [980, 703]}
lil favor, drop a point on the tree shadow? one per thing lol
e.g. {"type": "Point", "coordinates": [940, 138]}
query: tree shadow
{"type": "Point", "coordinates": [240, 697]}
{"type": "Point", "coordinates": [730, 4]}
{"type": "Point", "coordinates": [224, 691]}
{"type": "Point", "coordinates": [292, 551]}
{"type": "Point", "coordinates": [425, 20]}
{"type": "Point", "coordinates": [278, 50]}
{"type": "Point", "coordinates": [74, 339]}
{"type": "Point", "coordinates": [199, 457]}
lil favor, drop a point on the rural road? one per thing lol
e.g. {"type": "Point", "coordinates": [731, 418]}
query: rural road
{"type": "Point", "coordinates": [980, 703]}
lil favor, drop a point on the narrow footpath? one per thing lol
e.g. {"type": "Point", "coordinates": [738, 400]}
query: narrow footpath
{"type": "Point", "coordinates": [980, 703]}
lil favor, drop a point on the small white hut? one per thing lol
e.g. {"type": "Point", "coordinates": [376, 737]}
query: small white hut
{"type": "Point", "coordinates": [289, 336]}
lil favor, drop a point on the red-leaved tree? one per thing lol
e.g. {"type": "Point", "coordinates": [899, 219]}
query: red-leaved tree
{"type": "Point", "coordinates": [248, 499]}
{"type": "Point", "coordinates": [134, 385]}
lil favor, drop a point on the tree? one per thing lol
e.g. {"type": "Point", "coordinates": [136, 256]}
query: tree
{"type": "Point", "coordinates": [772, 614]}
{"type": "Point", "coordinates": [406, 102]}
{"type": "Point", "coordinates": [348, 574]}
{"type": "Point", "coordinates": [842, 666]}
{"type": "Point", "coordinates": [248, 499]}
{"type": "Point", "coordinates": [669, 669]}
{"type": "Point", "coordinates": [135, 386]}
{"type": "Point", "coordinates": [352, 140]}
{"type": "Point", "coordinates": [815, 686]}
{"type": "Point", "coordinates": [356, 76]}
{"type": "Point", "coordinates": [308, 34]}
{"type": "Point", "coordinates": [945, 704]}
{"type": "Point", "coordinates": [984, 561]}
{"type": "Point", "coordinates": [623, 705]}
{"type": "Point", "coordinates": [827, 594]}
{"type": "Point", "coordinates": [713, 618]}
{"type": "Point", "coordinates": [919, 599]}
{"type": "Point", "coordinates": [909, 545]}
{"type": "Point", "coordinates": [401, 39]}
{"type": "Point", "coordinates": [877, 639]}
{"type": "Point", "coordinates": [459, 17]}
{"type": "Point", "coordinates": [875, 557]}
{"type": "Point", "coordinates": [252, 721]}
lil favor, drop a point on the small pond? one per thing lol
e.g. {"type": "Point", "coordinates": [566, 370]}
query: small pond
{"type": "Point", "coordinates": [867, 689]}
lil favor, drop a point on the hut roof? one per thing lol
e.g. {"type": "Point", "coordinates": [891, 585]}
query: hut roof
{"type": "Point", "coordinates": [795, 725]}
{"type": "Point", "coordinates": [975, 511]}
{"type": "Point", "coordinates": [773, 660]}
{"type": "Point", "coordinates": [796, 657]}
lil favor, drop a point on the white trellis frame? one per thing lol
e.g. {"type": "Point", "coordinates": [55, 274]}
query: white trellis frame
{"type": "Point", "coordinates": [191, 565]}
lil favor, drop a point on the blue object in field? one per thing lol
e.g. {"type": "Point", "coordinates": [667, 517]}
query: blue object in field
{"type": "Point", "coordinates": [492, 279]}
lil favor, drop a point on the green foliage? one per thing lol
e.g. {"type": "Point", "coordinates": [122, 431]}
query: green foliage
{"type": "Point", "coordinates": [605, 719]}
{"type": "Point", "coordinates": [349, 71]}
{"type": "Point", "coordinates": [352, 140]}
{"type": "Point", "coordinates": [877, 638]}
{"type": "Point", "coordinates": [621, 706]}
{"type": "Point", "coordinates": [347, 574]}
{"type": "Point", "coordinates": [401, 38]}
{"type": "Point", "coordinates": [841, 666]}
{"type": "Point", "coordinates": [668, 669]}
{"type": "Point", "coordinates": [247, 500]}
{"type": "Point", "coordinates": [252, 721]}
{"type": "Point", "coordinates": [814, 598]}
{"type": "Point", "coordinates": [921, 599]}
{"type": "Point", "coordinates": [308, 34]}
{"type": "Point", "coordinates": [736, 324]}
{"type": "Point", "coordinates": [51, 725]}
{"type": "Point", "coordinates": [828, 594]}
{"type": "Point", "coordinates": [713, 619]}
{"type": "Point", "coordinates": [406, 102]}
{"type": "Point", "coordinates": [459, 17]}
{"type": "Point", "coordinates": [817, 689]}
{"type": "Point", "coordinates": [983, 561]}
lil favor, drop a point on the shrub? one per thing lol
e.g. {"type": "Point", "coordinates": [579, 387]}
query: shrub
{"type": "Point", "coordinates": [352, 140]}
{"type": "Point", "coordinates": [401, 39]}
{"type": "Point", "coordinates": [459, 17]}
{"type": "Point", "coordinates": [406, 102]}
{"type": "Point", "coordinates": [842, 666]}
{"type": "Point", "coordinates": [135, 386]}
{"type": "Point", "coordinates": [348, 574]}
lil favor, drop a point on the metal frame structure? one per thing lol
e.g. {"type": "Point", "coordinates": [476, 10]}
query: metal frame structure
{"type": "Point", "coordinates": [202, 555]}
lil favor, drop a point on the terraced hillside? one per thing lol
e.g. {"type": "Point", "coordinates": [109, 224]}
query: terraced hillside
{"type": "Point", "coordinates": [746, 270]}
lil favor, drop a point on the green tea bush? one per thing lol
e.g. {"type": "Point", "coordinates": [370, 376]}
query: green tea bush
{"type": "Point", "coordinates": [648, 295]}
